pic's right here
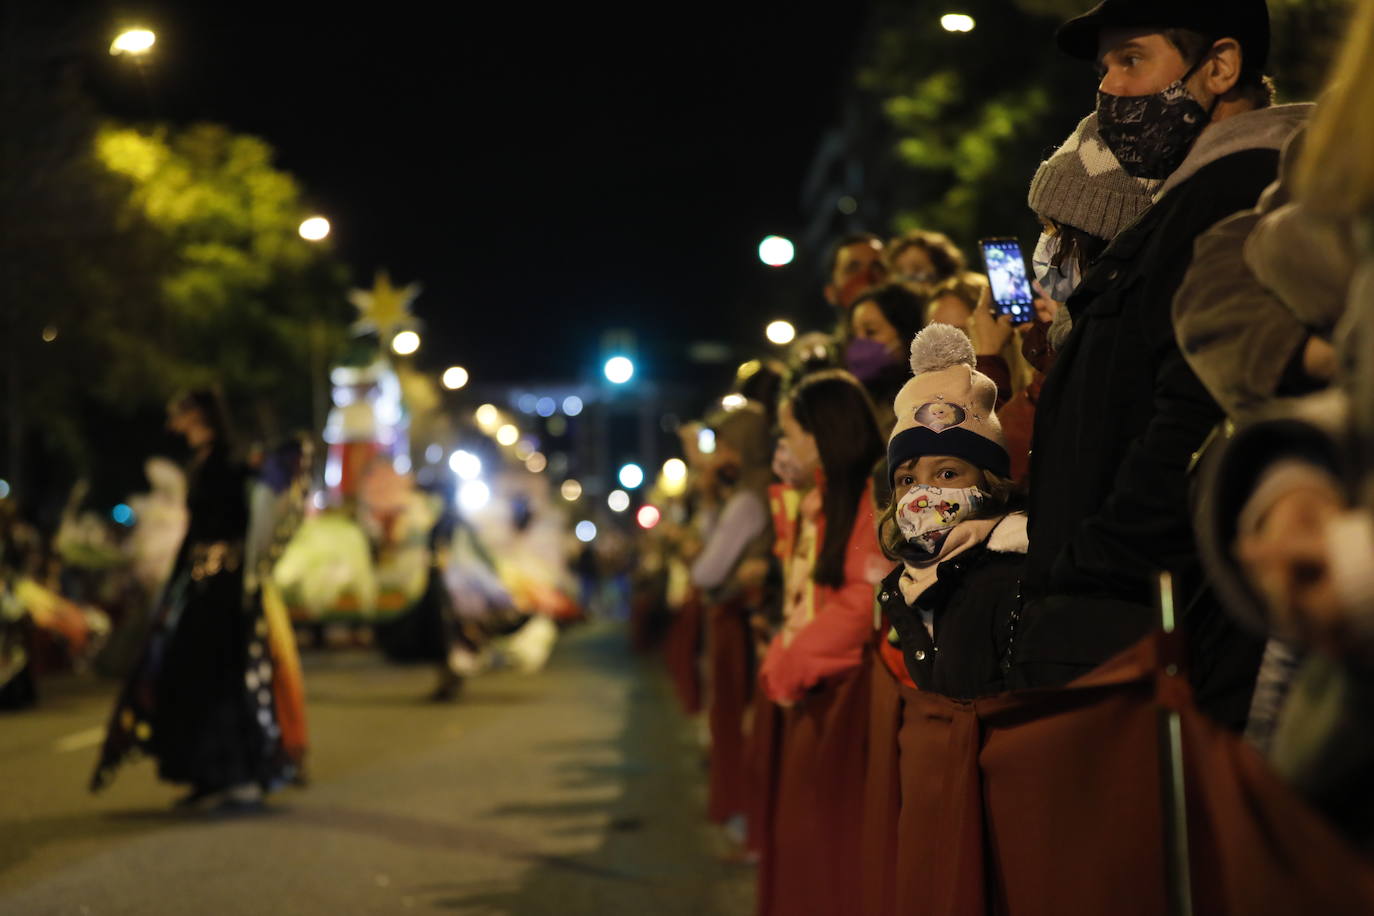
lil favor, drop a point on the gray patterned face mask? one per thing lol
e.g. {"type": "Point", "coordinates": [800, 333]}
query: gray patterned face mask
{"type": "Point", "coordinates": [1152, 134]}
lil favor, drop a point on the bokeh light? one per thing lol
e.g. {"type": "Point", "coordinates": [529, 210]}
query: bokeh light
{"type": "Point", "coordinates": [405, 343]}
{"type": "Point", "coordinates": [455, 377]}
{"type": "Point", "coordinates": [507, 435]}
{"type": "Point", "coordinates": [314, 229]}
{"type": "Point", "coordinates": [674, 470]}
{"type": "Point", "coordinates": [465, 464]}
{"type": "Point", "coordinates": [487, 417]}
{"type": "Point", "coordinates": [780, 332]}
{"type": "Point", "coordinates": [133, 41]}
{"type": "Point", "coordinates": [956, 22]}
{"type": "Point", "coordinates": [776, 251]}
{"type": "Point", "coordinates": [648, 517]}
{"type": "Point", "coordinates": [572, 405]}
{"type": "Point", "coordinates": [473, 495]}
{"type": "Point", "coordinates": [618, 500]}
{"type": "Point", "coordinates": [631, 476]}
{"type": "Point", "coordinates": [571, 490]}
{"type": "Point", "coordinates": [585, 531]}
{"type": "Point", "coordinates": [619, 370]}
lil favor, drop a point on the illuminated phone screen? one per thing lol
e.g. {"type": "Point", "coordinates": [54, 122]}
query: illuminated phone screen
{"type": "Point", "coordinates": [1006, 267]}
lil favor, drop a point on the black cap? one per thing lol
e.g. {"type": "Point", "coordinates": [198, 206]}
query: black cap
{"type": "Point", "coordinates": [1247, 21]}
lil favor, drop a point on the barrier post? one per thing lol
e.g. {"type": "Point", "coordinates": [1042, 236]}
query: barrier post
{"type": "Point", "coordinates": [1173, 796]}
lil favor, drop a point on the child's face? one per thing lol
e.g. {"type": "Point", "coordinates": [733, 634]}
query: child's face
{"type": "Point", "coordinates": [935, 471]}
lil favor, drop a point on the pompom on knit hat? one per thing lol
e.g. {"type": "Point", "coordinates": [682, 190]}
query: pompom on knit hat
{"type": "Point", "coordinates": [947, 408]}
{"type": "Point", "coordinates": [1083, 185]}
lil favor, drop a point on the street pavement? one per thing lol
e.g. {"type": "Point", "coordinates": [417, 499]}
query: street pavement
{"type": "Point", "coordinates": [576, 790]}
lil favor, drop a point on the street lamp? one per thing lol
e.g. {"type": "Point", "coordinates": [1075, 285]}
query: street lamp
{"type": "Point", "coordinates": [455, 377]}
{"type": "Point", "coordinates": [776, 251]}
{"type": "Point", "coordinates": [488, 417]}
{"type": "Point", "coordinates": [619, 370]}
{"type": "Point", "coordinates": [134, 42]}
{"type": "Point", "coordinates": [956, 22]}
{"type": "Point", "coordinates": [314, 229]}
{"type": "Point", "coordinates": [780, 332]}
{"type": "Point", "coordinates": [405, 343]}
{"type": "Point", "coordinates": [465, 464]}
{"type": "Point", "coordinates": [631, 476]}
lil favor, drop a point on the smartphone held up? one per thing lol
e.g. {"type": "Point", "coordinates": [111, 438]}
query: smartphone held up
{"type": "Point", "coordinates": [1010, 281]}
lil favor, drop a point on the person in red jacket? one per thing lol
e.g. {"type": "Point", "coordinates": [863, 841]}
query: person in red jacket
{"type": "Point", "coordinates": [816, 666]}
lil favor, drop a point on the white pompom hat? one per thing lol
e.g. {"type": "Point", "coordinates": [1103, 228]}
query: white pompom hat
{"type": "Point", "coordinates": [948, 408]}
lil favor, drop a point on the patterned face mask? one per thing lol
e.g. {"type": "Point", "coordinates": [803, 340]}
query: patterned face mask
{"type": "Point", "coordinates": [926, 515]}
{"type": "Point", "coordinates": [1151, 134]}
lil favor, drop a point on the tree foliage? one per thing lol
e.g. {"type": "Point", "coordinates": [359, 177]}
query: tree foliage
{"type": "Point", "coordinates": [156, 260]}
{"type": "Point", "coordinates": [241, 298]}
{"type": "Point", "coordinates": [973, 114]}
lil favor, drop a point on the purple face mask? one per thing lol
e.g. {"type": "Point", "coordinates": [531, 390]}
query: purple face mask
{"type": "Point", "coordinates": [867, 358]}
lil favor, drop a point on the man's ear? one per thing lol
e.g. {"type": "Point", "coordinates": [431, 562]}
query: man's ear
{"type": "Point", "coordinates": [1221, 71]}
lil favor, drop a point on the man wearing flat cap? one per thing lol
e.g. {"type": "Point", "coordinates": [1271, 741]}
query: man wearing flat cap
{"type": "Point", "coordinates": [1182, 100]}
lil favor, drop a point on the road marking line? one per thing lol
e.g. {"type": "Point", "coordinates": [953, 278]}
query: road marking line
{"type": "Point", "coordinates": [80, 740]}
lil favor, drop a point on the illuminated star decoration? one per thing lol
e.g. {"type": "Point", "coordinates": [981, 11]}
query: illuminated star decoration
{"type": "Point", "coordinates": [384, 308]}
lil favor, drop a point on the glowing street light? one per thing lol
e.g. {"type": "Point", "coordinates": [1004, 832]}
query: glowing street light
{"type": "Point", "coordinates": [473, 495]}
{"type": "Point", "coordinates": [956, 22]}
{"type": "Point", "coordinates": [488, 417]}
{"type": "Point", "coordinates": [134, 42]}
{"type": "Point", "coordinates": [455, 377]}
{"type": "Point", "coordinates": [314, 229]}
{"type": "Point", "coordinates": [405, 343]}
{"type": "Point", "coordinates": [776, 251]}
{"type": "Point", "coordinates": [780, 332]}
{"type": "Point", "coordinates": [465, 464]}
{"type": "Point", "coordinates": [619, 370]}
{"type": "Point", "coordinates": [631, 476]}
{"type": "Point", "coordinates": [507, 435]}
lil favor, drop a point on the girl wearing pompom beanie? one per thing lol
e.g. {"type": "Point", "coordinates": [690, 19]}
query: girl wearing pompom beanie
{"type": "Point", "coordinates": [947, 613]}
{"type": "Point", "coordinates": [951, 603]}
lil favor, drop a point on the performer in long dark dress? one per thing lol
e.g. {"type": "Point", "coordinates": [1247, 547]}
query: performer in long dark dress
{"type": "Point", "coordinates": [200, 700]}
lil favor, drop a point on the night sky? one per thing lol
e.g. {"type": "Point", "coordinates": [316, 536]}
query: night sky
{"type": "Point", "coordinates": [544, 172]}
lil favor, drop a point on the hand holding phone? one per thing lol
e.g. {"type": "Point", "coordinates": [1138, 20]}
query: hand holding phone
{"type": "Point", "coordinates": [989, 328]}
{"type": "Point", "coordinates": [1010, 281]}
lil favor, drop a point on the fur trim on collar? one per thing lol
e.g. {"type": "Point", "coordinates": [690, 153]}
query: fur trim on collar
{"type": "Point", "coordinates": [1010, 535]}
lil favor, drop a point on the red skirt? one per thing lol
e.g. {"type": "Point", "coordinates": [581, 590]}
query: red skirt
{"type": "Point", "coordinates": [882, 794]}
{"type": "Point", "coordinates": [730, 666]}
{"type": "Point", "coordinates": [680, 653]}
{"type": "Point", "coordinates": [761, 759]}
{"type": "Point", "coordinates": [815, 867]}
